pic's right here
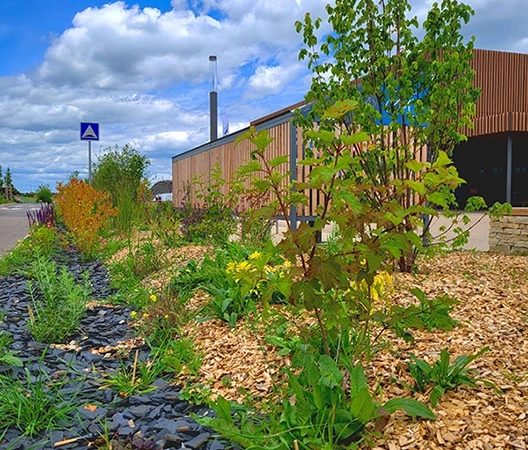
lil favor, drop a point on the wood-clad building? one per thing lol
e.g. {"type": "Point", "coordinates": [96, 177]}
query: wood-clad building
{"type": "Point", "coordinates": [494, 160]}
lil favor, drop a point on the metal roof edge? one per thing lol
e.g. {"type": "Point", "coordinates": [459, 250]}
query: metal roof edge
{"type": "Point", "coordinates": [272, 120]}
{"type": "Point", "coordinates": [210, 145]}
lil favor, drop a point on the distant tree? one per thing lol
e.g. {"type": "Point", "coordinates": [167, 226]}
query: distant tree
{"type": "Point", "coordinates": [1, 178]}
{"type": "Point", "coordinates": [120, 171]}
{"type": "Point", "coordinates": [44, 194]}
{"type": "Point", "coordinates": [8, 179]}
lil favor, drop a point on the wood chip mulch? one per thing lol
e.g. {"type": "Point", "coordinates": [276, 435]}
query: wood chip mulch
{"type": "Point", "coordinates": [493, 291]}
{"type": "Point", "coordinates": [493, 311]}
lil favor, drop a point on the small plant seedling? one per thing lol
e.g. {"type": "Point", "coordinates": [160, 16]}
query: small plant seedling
{"type": "Point", "coordinates": [442, 374]}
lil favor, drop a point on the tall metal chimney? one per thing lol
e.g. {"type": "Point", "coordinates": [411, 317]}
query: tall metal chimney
{"type": "Point", "coordinates": [213, 100]}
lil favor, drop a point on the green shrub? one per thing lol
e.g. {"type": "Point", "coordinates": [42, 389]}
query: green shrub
{"type": "Point", "coordinates": [44, 194]}
{"type": "Point", "coordinates": [323, 415]}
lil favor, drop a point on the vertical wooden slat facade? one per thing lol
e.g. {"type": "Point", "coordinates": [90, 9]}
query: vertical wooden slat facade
{"type": "Point", "coordinates": [501, 107]}
{"type": "Point", "coordinates": [503, 102]}
{"type": "Point", "coordinates": [228, 155]}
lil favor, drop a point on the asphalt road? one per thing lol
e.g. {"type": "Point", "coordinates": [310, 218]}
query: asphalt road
{"type": "Point", "coordinates": [13, 224]}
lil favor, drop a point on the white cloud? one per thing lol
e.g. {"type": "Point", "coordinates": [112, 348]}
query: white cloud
{"type": "Point", "coordinates": [143, 75]}
{"type": "Point", "coordinates": [120, 47]}
{"type": "Point", "coordinates": [271, 80]}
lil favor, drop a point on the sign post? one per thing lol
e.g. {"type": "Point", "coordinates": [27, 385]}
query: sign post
{"type": "Point", "coordinates": [89, 132]}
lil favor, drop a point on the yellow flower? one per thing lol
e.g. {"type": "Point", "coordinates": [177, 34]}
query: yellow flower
{"type": "Point", "coordinates": [381, 286]}
{"type": "Point", "coordinates": [153, 298]}
{"type": "Point", "coordinates": [231, 267]}
{"type": "Point", "coordinates": [287, 264]}
{"type": "Point", "coordinates": [166, 316]}
{"type": "Point", "coordinates": [255, 255]}
{"type": "Point", "coordinates": [245, 266]}
{"type": "Point", "coordinates": [133, 314]}
{"type": "Point", "coordinates": [240, 267]}
{"type": "Point", "coordinates": [270, 269]}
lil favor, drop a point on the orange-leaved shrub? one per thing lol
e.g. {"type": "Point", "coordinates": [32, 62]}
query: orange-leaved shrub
{"type": "Point", "coordinates": [85, 212]}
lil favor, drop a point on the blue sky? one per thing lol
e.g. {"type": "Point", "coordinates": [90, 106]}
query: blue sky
{"type": "Point", "coordinates": [140, 69]}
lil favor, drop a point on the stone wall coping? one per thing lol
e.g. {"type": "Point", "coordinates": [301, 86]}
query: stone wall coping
{"type": "Point", "coordinates": [519, 211]}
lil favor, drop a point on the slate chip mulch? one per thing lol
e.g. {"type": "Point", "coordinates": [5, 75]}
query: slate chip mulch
{"type": "Point", "coordinates": [155, 420]}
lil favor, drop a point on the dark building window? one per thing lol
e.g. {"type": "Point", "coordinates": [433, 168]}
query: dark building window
{"type": "Point", "coordinates": [481, 162]}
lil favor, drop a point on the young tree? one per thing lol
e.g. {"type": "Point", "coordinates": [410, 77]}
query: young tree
{"type": "Point", "coordinates": [412, 96]}
{"type": "Point", "coordinates": [1, 178]}
{"type": "Point", "coordinates": [120, 172]}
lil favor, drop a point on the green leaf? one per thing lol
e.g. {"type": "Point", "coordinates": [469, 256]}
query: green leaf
{"type": "Point", "coordinates": [362, 407]}
{"type": "Point", "coordinates": [262, 185]}
{"type": "Point", "coordinates": [288, 415]}
{"type": "Point", "coordinates": [436, 394]}
{"type": "Point", "coordinates": [331, 376]}
{"type": "Point", "coordinates": [250, 166]}
{"type": "Point", "coordinates": [419, 294]}
{"type": "Point", "coordinates": [223, 409]}
{"type": "Point", "coordinates": [323, 173]}
{"type": "Point", "coordinates": [226, 429]}
{"type": "Point", "coordinates": [442, 160]}
{"type": "Point", "coordinates": [276, 177]}
{"type": "Point", "coordinates": [414, 165]}
{"type": "Point", "coordinates": [10, 359]}
{"type": "Point", "coordinates": [350, 200]}
{"type": "Point", "coordinates": [345, 425]}
{"type": "Point", "coordinates": [262, 139]}
{"type": "Point", "coordinates": [416, 186]}
{"type": "Point", "coordinates": [437, 198]}
{"type": "Point", "coordinates": [412, 407]}
{"type": "Point", "coordinates": [340, 109]}
{"type": "Point", "coordinates": [356, 138]}
{"type": "Point", "coordinates": [278, 161]}
{"type": "Point", "coordinates": [357, 380]}
{"type": "Point", "coordinates": [475, 203]}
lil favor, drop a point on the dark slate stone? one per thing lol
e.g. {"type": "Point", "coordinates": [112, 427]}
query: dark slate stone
{"type": "Point", "coordinates": [167, 425]}
{"type": "Point", "coordinates": [125, 431]}
{"type": "Point", "coordinates": [119, 420]}
{"type": "Point", "coordinates": [140, 410]}
{"type": "Point", "coordinates": [216, 445]}
{"type": "Point", "coordinates": [173, 441]}
{"type": "Point", "coordinates": [139, 399]}
{"type": "Point", "coordinates": [161, 383]}
{"type": "Point", "coordinates": [155, 415]}
{"type": "Point", "coordinates": [198, 440]}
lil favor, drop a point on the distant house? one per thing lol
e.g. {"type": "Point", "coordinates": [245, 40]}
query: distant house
{"type": "Point", "coordinates": [494, 160]}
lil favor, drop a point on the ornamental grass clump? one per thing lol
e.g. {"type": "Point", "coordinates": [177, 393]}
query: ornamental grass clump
{"type": "Point", "coordinates": [58, 302]}
{"type": "Point", "coordinates": [34, 403]}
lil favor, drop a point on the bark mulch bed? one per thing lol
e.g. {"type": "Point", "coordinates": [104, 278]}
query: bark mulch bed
{"type": "Point", "coordinates": [493, 311]}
